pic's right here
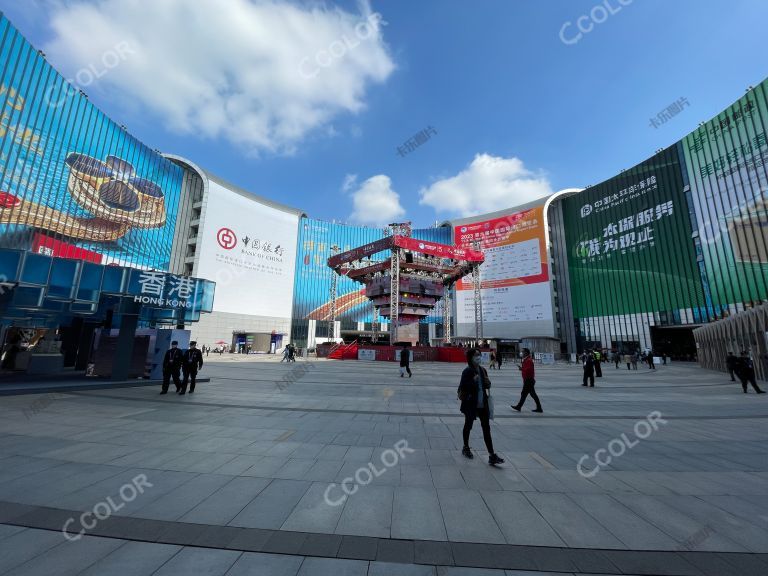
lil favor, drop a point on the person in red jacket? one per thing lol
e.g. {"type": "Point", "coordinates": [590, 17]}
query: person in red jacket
{"type": "Point", "coordinates": [529, 382]}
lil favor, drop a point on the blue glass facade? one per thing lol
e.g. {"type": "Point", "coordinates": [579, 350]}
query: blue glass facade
{"type": "Point", "coordinates": [313, 277]}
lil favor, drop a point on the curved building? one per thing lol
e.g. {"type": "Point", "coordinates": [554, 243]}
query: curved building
{"type": "Point", "coordinates": [246, 244]}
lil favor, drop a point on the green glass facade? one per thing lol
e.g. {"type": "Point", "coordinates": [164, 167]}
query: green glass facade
{"type": "Point", "coordinates": [678, 240]}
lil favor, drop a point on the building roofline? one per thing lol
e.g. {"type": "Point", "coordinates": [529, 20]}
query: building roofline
{"type": "Point", "coordinates": [207, 175]}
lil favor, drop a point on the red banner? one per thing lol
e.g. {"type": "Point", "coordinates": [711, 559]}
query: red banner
{"type": "Point", "coordinates": [439, 250]}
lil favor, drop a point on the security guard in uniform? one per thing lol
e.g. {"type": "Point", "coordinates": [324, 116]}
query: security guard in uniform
{"type": "Point", "coordinates": [191, 363]}
{"type": "Point", "coordinates": [171, 367]}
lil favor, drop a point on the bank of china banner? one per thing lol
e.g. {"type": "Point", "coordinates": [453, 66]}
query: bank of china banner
{"type": "Point", "coordinates": [73, 183]}
{"type": "Point", "coordinates": [726, 166]}
{"type": "Point", "coordinates": [629, 243]}
{"type": "Point", "coordinates": [248, 249]}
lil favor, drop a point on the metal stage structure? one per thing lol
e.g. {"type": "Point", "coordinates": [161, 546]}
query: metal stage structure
{"type": "Point", "coordinates": [406, 284]}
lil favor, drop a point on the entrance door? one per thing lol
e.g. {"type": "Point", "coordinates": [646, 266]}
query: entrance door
{"type": "Point", "coordinates": [676, 342]}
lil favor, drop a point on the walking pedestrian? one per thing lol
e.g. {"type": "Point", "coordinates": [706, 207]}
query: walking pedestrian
{"type": "Point", "coordinates": [286, 350]}
{"type": "Point", "coordinates": [171, 367]}
{"type": "Point", "coordinates": [291, 353]}
{"type": "Point", "coordinates": [493, 360]}
{"type": "Point", "coordinates": [588, 361]}
{"type": "Point", "coordinates": [628, 361]}
{"type": "Point", "coordinates": [617, 359]}
{"type": "Point", "coordinates": [745, 370]}
{"type": "Point", "coordinates": [498, 360]}
{"type": "Point", "coordinates": [192, 361]}
{"type": "Point", "coordinates": [528, 372]}
{"type": "Point", "coordinates": [730, 364]}
{"type": "Point", "coordinates": [473, 393]}
{"type": "Point", "coordinates": [635, 359]}
{"type": "Point", "coordinates": [405, 361]}
{"type": "Point", "coordinates": [651, 365]}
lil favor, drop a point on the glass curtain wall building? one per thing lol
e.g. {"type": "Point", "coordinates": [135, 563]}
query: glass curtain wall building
{"type": "Point", "coordinates": [674, 242]}
{"type": "Point", "coordinates": [73, 183]}
{"type": "Point", "coordinates": [311, 302]}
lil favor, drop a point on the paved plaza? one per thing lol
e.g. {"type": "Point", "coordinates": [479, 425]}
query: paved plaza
{"type": "Point", "coordinates": [344, 468]}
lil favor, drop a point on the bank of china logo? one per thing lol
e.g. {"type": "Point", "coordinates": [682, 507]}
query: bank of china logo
{"type": "Point", "coordinates": [226, 238]}
{"type": "Point", "coordinates": [421, 245]}
{"type": "Point", "coordinates": [463, 228]}
{"type": "Point", "coordinates": [586, 210]}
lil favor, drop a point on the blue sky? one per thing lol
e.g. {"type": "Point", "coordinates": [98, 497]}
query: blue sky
{"type": "Point", "coordinates": [241, 88]}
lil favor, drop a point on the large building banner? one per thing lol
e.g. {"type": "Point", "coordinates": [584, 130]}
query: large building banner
{"type": "Point", "coordinates": [629, 243]}
{"type": "Point", "coordinates": [248, 249]}
{"type": "Point", "coordinates": [726, 167]}
{"type": "Point", "coordinates": [72, 182]}
{"type": "Point", "coordinates": [514, 277]}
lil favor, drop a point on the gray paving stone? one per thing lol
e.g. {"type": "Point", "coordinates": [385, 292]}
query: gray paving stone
{"type": "Point", "coordinates": [202, 561]}
{"type": "Point", "coordinates": [358, 547]}
{"type": "Point", "coordinates": [467, 518]}
{"type": "Point", "coordinates": [133, 559]}
{"type": "Point", "coordinates": [326, 545]}
{"type": "Point", "coordinates": [395, 551]}
{"type": "Point", "coordinates": [577, 528]}
{"type": "Point", "coordinates": [519, 521]}
{"type": "Point", "coordinates": [273, 505]}
{"type": "Point", "coordinates": [333, 567]}
{"type": "Point", "coordinates": [26, 545]}
{"type": "Point", "coordinates": [227, 502]}
{"type": "Point", "coordinates": [71, 558]}
{"type": "Point", "coordinates": [368, 512]}
{"type": "Point", "coordinates": [258, 564]}
{"type": "Point", "coordinates": [180, 501]}
{"type": "Point", "coordinates": [392, 569]}
{"type": "Point", "coordinates": [313, 513]}
{"type": "Point", "coordinates": [416, 514]}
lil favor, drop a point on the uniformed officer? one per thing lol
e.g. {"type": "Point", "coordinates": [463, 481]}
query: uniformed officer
{"type": "Point", "coordinates": [191, 363]}
{"type": "Point", "coordinates": [171, 366]}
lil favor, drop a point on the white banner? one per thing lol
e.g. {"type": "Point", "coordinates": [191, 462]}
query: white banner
{"type": "Point", "coordinates": [249, 250]}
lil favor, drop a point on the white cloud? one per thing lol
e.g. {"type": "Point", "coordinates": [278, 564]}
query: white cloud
{"type": "Point", "coordinates": [349, 182]}
{"type": "Point", "coordinates": [489, 183]}
{"type": "Point", "coordinates": [242, 70]}
{"type": "Point", "coordinates": [375, 203]}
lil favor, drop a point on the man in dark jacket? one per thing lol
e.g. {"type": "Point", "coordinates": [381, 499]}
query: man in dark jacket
{"type": "Point", "coordinates": [730, 364]}
{"type": "Point", "coordinates": [528, 372]}
{"type": "Point", "coordinates": [473, 393]}
{"type": "Point", "coordinates": [589, 369]}
{"type": "Point", "coordinates": [405, 362]}
{"type": "Point", "coordinates": [745, 370]}
{"type": "Point", "coordinates": [171, 367]}
{"type": "Point", "coordinates": [191, 363]}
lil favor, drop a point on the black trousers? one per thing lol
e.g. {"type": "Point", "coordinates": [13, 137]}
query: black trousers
{"type": "Point", "coordinates": [167, 375]}
{"type": "Point", "coordinates": [191, 377]}
{"type": "Point", "coordinates": [529, 390]}
{"type": "Point", "coordinates": [730, 371]}
{"type": "Point", "coordinates": [589, 376]}
{"type": "Point", "coordinates": [407, 369]}
{"type": "Point", "coordinates": [749, 379]}
{"type": "Point", "coordinates": [485, 424]}
{"type": "Point", "coordinates": [598, 370]}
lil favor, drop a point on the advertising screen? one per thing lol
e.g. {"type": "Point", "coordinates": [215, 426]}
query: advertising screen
{"type": "Point", "coordinates": [629, 243]}
{"type": "Point", "coordinates": [72, 182]}
{"type": "Point", "coordinates": [725, 162]}
{"type": "Point", "coordinates": [516, 298]}
{"type": "Point", "coordinates": [248, 249]}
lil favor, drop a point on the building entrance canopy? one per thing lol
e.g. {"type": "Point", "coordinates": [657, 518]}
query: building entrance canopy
{"type": "Point", "coordinates": [40, 290]}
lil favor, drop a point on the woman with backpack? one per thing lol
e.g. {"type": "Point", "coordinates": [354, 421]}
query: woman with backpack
{"type": "Point", "coordinates": [473, 393]}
